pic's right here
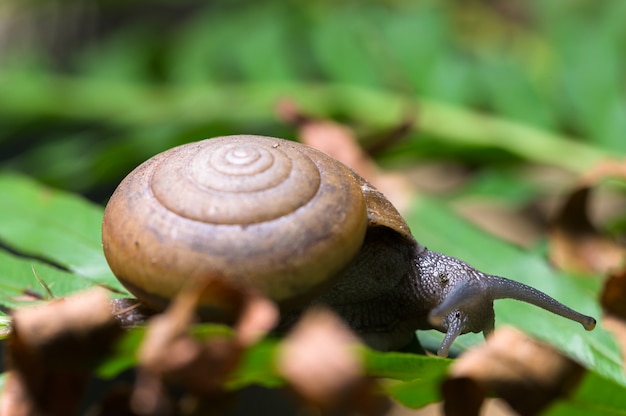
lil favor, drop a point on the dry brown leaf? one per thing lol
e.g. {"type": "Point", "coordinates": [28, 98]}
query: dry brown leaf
{"type": "Point", "coordinates": [613, 296]}
{"type": "Point", "coordinates": [320, 363]}
{"type": "Point", "coordinates": [613, 300]}
{"type": "Point", "coordinates": [500, 221]}
{"type": "Point", "coordinates": [340, 142]}
{"type": "Point", "coordinates": [527, 374]}
{"type": "Point", "coordinates": [53, 349]}
{"type": "Point", "coordinates": [170, 356]}
{"type": "Point", "coordinates": [607, 169]}
{"type": "Point", "coordinates": [257, 317]}
{"type": "Point", "coordinates": [169, 352]}
{"type": "Point", "coordinates": [575, 243]}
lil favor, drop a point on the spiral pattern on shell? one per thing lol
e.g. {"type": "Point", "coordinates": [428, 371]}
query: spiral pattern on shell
{"type": "Point", "coordinates": [259, 211]}
{"type": "Point", "coordinates": [233, 182]}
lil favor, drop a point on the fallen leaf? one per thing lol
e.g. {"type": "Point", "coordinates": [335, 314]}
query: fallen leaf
{"type": "Point", "coordinates": [575, 243]}
{"type": "Point", "coordinates": [527, 374]}
{"type": "Point", "coordinates": [257, 317]}
{"type": "Point", "coordinates": [340, 142]}
{"type": "Point", "coordinates": [613, 296]}
{"type": "Point", "coordinates": [613, 301]}
{"type": "Point", "coordinates": [606, 169]}
{"type": "Point", "coordinates": [172, 360]}
{"type": "Point", "coordinates": [52, 350]}
{"type": "Point", "coordinates": [501, 221]}
{"type": "Point", "coordinates": [319, 361]}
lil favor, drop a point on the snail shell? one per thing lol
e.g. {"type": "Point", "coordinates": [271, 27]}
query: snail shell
{"type": "Point", "coordinates": [260, 211]}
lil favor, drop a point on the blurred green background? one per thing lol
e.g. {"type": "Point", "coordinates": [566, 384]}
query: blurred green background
{"type": "Point", "coordinates": [90, 89]}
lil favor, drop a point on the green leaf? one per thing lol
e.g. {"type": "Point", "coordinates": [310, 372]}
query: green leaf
{"type": "Point", "coordinates": [257, 367]}
{"type": "Point", "coordinates": [431, 340]}
{"type": "Point", "coordinates": [18, 275]}
{"type": "Point", "coordinates": [409, 378]}
{"type": "Point", "coordinates": [55, 226]}
{"type": "Point", "coordinates": [403, 366]}
{"type": "Point", "coordinates": [596, 396]}
{"type": "Point", "coordinates": [416, 393]}
{"type": "Point", "coordinates": [436, 227]}
{"type": "Point", "coordinates": [413, 379]}
{"type": "Point", "coordinates": [124, 355]}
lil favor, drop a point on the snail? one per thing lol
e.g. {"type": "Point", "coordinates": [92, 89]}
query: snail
{"type": "Point", "coordinates": [303, 229]}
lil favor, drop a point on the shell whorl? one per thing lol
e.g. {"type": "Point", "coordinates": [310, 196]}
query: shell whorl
{"type": "Point", "coordinates": [274, 214]}
{"type": "Point", "coordinates": [235, 181]}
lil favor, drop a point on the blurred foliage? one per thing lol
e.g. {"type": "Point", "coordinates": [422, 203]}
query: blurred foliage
{"type": "Point", "coordinates": [91, 89]}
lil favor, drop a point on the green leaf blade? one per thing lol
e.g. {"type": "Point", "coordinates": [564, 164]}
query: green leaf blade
{"type": "Point", "coordinates": [58, 227]}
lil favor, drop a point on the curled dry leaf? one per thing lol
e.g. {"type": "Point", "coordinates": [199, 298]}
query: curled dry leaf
{"type": "Point", "coordinates": [52, 350]}
{"type": "Point", "coordinates": [499, 220]}
{"type": "Point", "coordinates": [575, 243]}
{"type": "Point", "coordinates": [257, 317]}
{"type": "Point", "coordinates": [171, 356]}
{"type": "Point", "coordinates": [613, 297]}
{"type": "Point", "coordinates": [321, 364]}
{"type": "Point", "coordinates": [340, 142]}
{"type": "Point", "coordinates": [613, 300]}
{"type": "Point", "coordinates": [528, 375]}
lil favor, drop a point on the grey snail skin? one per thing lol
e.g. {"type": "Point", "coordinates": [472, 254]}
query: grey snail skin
{"type": "Point", "coordinates": [303, 229]}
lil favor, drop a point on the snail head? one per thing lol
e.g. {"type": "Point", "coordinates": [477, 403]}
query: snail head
{"type": "Point", "coordinates": [461, 297]}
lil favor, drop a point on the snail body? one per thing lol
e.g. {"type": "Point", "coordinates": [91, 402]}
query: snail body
{"type": "Point", "coordinates": [303, 229]}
